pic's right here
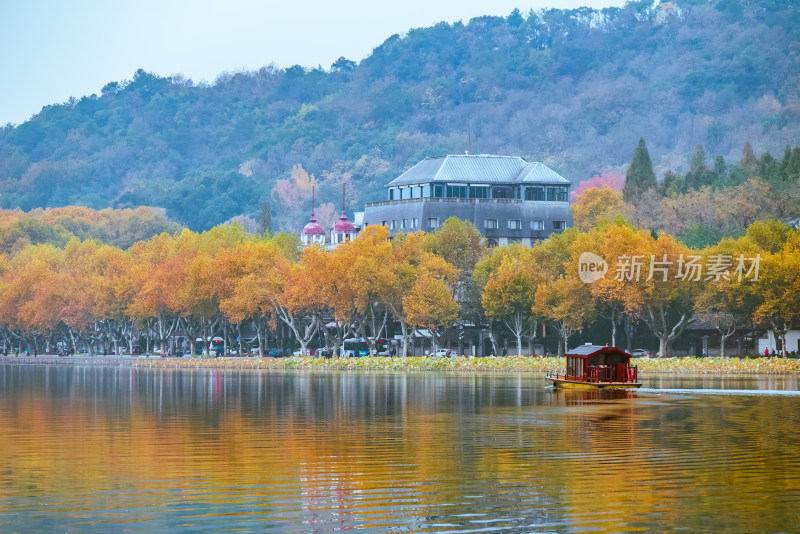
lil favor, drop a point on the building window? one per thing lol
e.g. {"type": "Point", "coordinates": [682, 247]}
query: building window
{"type": "Point", "coordinates": [384, 223]}
{"type": "Point", "coordinates": [490, 224]}
{"type": "Point", "coordinates": [534, 193]}
{"type": "Point", "coordinates": [405, 223]}
{"type": "Point", "coordinates": [557, 193]}
{"type": "Point", "coordinates": [537, 225]}
{"type": "Point", "coordinates": [514, 224]}
{"type": "Point", "coordinates": [433, 223]}
{"type": "Point", "coordinates": [392, 194]}
{"type": "Point", "coordinates": [394, 225]}
{"type": "Point", "coordinates": [479, 191]}
{"type": "Point", "coordinates": [457, 191]}
{"type": "Point", "coordinates": [559, 225]}
{"type": "Point", "coordinates": [501, 192]}
{"type": "Point", "coordinates": [491, 243]}
{"type": "Point", "coordinates": [415, 223]}
{"type": "Point", "coordinates": [438, 190]}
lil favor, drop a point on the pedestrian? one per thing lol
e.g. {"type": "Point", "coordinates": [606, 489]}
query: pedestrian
{"type": "Point", "coordinates": [505, 351]}
{"type": "Point", "coordinates": [766, 352]}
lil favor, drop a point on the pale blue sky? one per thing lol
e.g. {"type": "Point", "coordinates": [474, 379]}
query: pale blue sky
{"type": "Point", "coordinates": [53, 49]}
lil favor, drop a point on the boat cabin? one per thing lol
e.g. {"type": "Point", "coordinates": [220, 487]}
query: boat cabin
{"type": "Point", "coordinates": [598, 364]}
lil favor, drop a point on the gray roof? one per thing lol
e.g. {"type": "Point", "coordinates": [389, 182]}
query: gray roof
{"type": "Point", "coordinates": [485, 169]}
{"type": "Point", "coordinates": [535, 172]}
{"type": "Point", "coordinates": [585, 350]}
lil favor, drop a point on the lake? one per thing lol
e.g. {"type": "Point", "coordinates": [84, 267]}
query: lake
{"type": "Point", "coordinates": [119, 449]}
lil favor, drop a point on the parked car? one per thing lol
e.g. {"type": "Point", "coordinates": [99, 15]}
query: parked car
{"type": "Point", "coordinates": [275, 353]}
{"type": "Point", "coordinates": [641, 353]}
{"type": "Point", "coordinates": [442, 353]}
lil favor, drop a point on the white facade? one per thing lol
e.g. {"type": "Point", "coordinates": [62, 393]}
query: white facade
{"type": "Point", "coordinates": [770, 342]}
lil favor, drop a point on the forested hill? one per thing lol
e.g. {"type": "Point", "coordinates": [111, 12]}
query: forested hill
{"type": "Point", "coordinates": [574, 89]}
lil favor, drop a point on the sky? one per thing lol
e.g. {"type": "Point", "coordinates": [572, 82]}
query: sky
{"type": "Point", "coordinates": [51, 50]}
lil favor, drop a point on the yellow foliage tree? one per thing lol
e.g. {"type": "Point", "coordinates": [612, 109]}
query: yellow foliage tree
{"type": "Point", "coordinates": [597, 204]}
{"type": "Point", "coordinates": [510, 292]}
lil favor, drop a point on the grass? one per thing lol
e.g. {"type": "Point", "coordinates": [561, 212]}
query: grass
{"type": "Point", "coordinates": [522, 364]}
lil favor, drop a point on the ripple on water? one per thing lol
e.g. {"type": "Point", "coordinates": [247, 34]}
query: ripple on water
{"type": "Point", "coordinates": [99, 451]}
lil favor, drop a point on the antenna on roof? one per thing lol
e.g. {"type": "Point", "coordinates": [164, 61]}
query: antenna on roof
{"type": "Point", "coordinates": [469, 136]}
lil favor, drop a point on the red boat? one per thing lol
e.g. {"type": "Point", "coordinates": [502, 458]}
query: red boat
{"type": "Point", "coordinates": [597, 367]}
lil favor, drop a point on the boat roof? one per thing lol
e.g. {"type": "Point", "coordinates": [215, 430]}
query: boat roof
{"type": "Point", "coordinates": [591, 350]}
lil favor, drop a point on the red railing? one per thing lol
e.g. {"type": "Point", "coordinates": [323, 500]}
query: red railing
{"type": "Point", "coordinates": [599, 373]}
{"type": "Point", "coordinates": [633, 374]}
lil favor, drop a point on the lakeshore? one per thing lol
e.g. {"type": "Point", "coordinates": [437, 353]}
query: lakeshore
{"type": "Point", "coordinates": [520, 364]}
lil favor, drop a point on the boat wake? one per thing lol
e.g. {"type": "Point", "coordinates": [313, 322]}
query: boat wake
{"type": "Point", "coordinates": [687, 391]}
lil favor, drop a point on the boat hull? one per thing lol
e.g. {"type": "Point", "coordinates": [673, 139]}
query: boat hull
{"type": "Point", "coordinates": [575, 384]}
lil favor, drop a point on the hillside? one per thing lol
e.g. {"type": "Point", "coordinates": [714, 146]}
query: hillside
{"type": "Point", "coordinates": [574, 89]}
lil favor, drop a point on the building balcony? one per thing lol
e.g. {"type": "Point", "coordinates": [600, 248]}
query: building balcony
{"type": "Point", "coordinates": [445, 201]}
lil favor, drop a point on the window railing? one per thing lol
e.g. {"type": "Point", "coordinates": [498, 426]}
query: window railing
{"type": "Point", "coordinates": [445, 200]}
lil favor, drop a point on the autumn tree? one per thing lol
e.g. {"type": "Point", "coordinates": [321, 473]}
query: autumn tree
{"type": "Point", "coordinates": [460, 244]}
{"type": "Point", "coordinates": [619, 295]}
{"type": "Point", "coordinates": [30, 294]}
{"type": "Point", "coordinates": [430, 304]}
{"type": "Point", "coordinates": [253, 275]}
{"type": "Point", "coordinates": [778, 289]}
{"type": "Point", "coordinates": [674, 272]}
{"type": "Point", "coordinates": [291, 192]}
{"type": "Point", "coordinates": [158, 268]}
{"type": "Point", "coordinates": [411, 260]}
{"type": "Point", "coordinates": [612, 179]}
{"type": "Point", "coordinates": [561, 296]}
{"type": "Point", "coordinates": [728, 301]}
{"type": "Point", "coordinates": [596, 204]}
{"type": "Point", "coordinates": [510, 292]}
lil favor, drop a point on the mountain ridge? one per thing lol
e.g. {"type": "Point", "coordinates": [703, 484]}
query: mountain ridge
{"type": "Point", "coordinates": [574, 89]}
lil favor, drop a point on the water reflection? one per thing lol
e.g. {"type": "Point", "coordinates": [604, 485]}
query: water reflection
{"type": "Point", "coordinates": [88, 449]}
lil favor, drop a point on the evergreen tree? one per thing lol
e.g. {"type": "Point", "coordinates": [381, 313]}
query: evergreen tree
{"type": "Point", "coordinates": [640, 176]}
{"type": "Point", "coordinates": [793, 168]}
{"type": "Point", "coordinates": [671, 184]}
{"type": "Point", "coordinates": [266, 220]}
{"type": "Point", "coordinates": [787, 155]}
{"type": "Point", "coordinates": [720, 169]}
{"type": "Point", "coordinates": [749, 162]}
{"type": "Point", "coordinates": [698, 175]}
{"type": "Point", "coordinates": [769, 168]}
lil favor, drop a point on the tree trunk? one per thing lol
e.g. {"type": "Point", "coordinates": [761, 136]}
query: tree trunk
{"type": "Point", "coordinates": [614, 319]}
{"type": "Point", "coordinates": [495, 348]}
{"type": "Point", "coordinates": [404, 330]}
{"type": "Point", "coordinates": [723, 337]}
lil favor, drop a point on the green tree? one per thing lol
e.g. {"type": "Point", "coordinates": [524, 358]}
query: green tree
{"type": "Point", "coordinates": [749, 162]}
{"type": "Point", "coordinates": [640, 176]}
{"type": "Point", "coordinates": [266, 220]}
{"type": "Point", "coordinates": [698, 175]}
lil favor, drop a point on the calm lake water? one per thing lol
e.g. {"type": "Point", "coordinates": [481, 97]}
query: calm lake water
{"type": "Point", "coordinates": [88, 449]}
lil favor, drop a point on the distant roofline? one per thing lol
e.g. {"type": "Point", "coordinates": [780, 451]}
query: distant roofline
{"type": "Point", "coordinates": [524, 169]}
